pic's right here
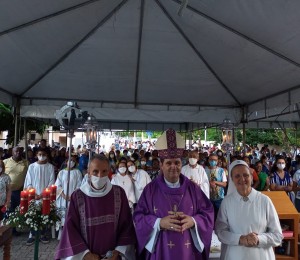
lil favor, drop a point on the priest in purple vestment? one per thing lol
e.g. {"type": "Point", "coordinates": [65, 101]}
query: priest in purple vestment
{"type": "Point", "coordinates": [99, 222]}
{"type": "Point", "coordinates": [173, 219]}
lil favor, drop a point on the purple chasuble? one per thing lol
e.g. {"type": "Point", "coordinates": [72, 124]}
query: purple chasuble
{"type": "Point", "coordinates": [156, 200]}
{"type": "Point", "coordinates": [98, 224]}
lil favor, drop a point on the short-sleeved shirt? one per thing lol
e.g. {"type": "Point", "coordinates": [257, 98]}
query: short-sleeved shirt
{"type": "Point", "coordinates": [17, 172]}
{"type": "Point", "coordinates": [4, 181]}
{"type": "Point", "coordinates": [217, 174]}
{"type": "Point", "coordinates": [286, 181]}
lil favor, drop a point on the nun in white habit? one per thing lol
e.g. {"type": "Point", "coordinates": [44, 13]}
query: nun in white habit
{"type": "Point", "coordinates": [247, 224]}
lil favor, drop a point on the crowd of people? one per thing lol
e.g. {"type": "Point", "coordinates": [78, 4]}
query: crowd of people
{"type": "Point", "coordinates": [175, 197]}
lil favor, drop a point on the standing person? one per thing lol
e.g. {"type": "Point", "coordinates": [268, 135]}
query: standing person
{"type": "Point", "coordinates": [296, 188]}
{"type": "Point", "coordinates": [280, 179]}
{"type": "Point", "coordinates": [217, 180]}
{"type": "Point", "coordinates": [62, 185]}
{"type": "Point", "coordinates": [92, 232]}
{"type": "Point", "coordinates": [155, 169]}
{"type": "Point", "coordinates": [5, 190]}
{"type": "Point", "coordinates": [264, 181]}
{"type": "Point", "coordinates": [16, 168]}
{"type": "Point", "coordinates": [255, 183]}
{"type": "Point", "coordinates": [173, 218]}
{"type": "Point", "coordinates": [112, 161]}
{"type": "Point", "coordinates": [123, 180]}
{"type": "Point", "coordinates": [195, 172]}
{"type": "Point", "coordinates": [247, 222]}
{"type": "Point", "coordinates": [83, 161]}
{"type": "Point", "coordinates": [144, 164]}
{"type": "Point", "coordinates": [139, 177]}
{"type": "Point", "coordinates": [40, 175]}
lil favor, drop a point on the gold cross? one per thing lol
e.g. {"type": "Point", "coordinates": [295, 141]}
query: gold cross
{"type": "Point", "coordinates": [187, 243]}
{"type": "Point", "coordinates": [171, 244]}
{"type": "Point", "coordinates": [155, 209]}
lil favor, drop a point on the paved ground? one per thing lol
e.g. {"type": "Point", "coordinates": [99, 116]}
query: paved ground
{"type": "Point", "coordinates": [19, 249]}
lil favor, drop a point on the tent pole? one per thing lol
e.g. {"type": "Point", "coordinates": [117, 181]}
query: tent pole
{"type": "Point", "coordinates": [25, 140]}
{"type": "Point", "coordinates": [244, 136]}
{"type": "Point", "coordinates": [17, 122]}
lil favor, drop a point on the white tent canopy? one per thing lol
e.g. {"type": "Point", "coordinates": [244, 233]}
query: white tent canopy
{"type": "Point", "coordinates": [138, 64]}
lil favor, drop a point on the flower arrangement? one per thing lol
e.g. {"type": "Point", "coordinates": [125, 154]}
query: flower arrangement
{"type": "Point", "coordinates": [33, 218]}
{"type": "Point", "coordinates": [36, 215]}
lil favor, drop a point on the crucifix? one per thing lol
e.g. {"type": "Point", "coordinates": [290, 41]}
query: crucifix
{"type": "Point", "coordinates": [155, 209]}
{"type": "Point", "coordinates": [171, 244]}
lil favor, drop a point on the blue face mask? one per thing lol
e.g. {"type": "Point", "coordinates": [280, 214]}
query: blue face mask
{"type": "Point", "coordinates": [212, 163]}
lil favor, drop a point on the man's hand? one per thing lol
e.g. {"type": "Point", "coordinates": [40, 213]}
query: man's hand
{"type": "Point", "coordinates": [115, 255]}
{"type": "Point", "coordinates": [171, 222]}
{"type": "Point", "coordinates": [187, 222]}
{"type": "Point", "coordinates": [91, 256]}
{"type": "Point", "coordinates": [212, 184]}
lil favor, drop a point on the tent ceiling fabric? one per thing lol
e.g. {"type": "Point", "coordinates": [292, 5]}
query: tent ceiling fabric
{"type": "Point", "coordinates": [138, 63]}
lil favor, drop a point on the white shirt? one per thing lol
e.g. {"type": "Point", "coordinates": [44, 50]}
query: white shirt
{"type": "Point", "coordinates": [296, 178]}
{"type": "Point", "coordinates": [126, 183]}
{"type": "Point", "coordinates": [62, 185]}
{"type": "Point", "coordinates": [39, 177]}
{"type": "Point", "coordinates": [141, 179]}
{"type": "Point", "coordinates": [237, 217]}
{"type": "Point", "coordinates": [197, 175]}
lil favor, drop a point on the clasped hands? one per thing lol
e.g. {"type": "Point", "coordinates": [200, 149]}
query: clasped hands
{"type": "Point", "coordinates": [178, 222]}
{"type": "Point", "coordinates": [249, 240]}
{"type": "Point", "coordinates": [91, 256]}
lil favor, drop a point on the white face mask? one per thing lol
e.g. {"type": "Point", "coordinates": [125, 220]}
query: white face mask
{"type": "Point", "coordinates": [99, 182]}
{"type": "Point", "coordinates": [131, 158]}
{"type": "Point", "coordinates": [192, 161]}
{"type": "Point", "coordinates": [42, 158]}
{"type": "Point", "coordinates": [131, 168]}
{"type": "Point", "coordinates": [72, 164]}
{"type": "Point", "coordinates": [111, 156]}
{"type": "Point", "coordinates": [143, 163]}
{"type": "Point", "coordinates": [280, 166]}
{"type": "Point", "coordinates": [150, 158]}
{"type": "Point", "coordinates": [122, 170]}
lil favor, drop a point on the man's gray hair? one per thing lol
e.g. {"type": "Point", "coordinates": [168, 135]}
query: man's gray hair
{"type": "Point", "coordinates": [99, 157]}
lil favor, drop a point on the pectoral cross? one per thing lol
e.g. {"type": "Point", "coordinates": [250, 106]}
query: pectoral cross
{"type": "Point", "coordinates": [175, 211]}
{"type": "Point", "coordinates": [155, 209]}
{"type": "Point", "coordinates": [187, 243]}
{"type": "Point", "coordinates": [171, 244]}
{"type": "Point", "coordinates": [245, 199]}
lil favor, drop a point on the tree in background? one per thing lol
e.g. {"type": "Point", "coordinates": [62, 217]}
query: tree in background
{"type": "Point", "coordinates": [7, 123]}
